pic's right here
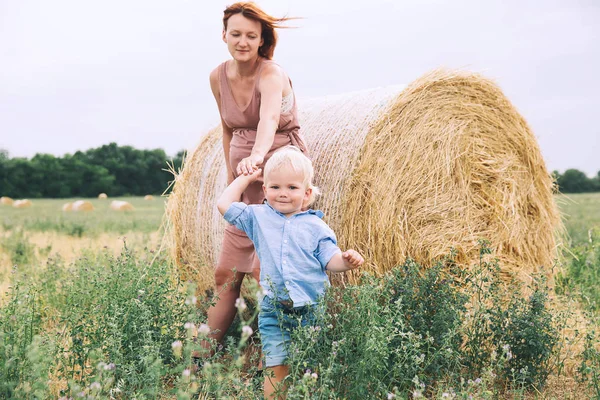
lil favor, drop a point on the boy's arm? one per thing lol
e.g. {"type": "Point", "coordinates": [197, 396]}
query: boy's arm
{"type": "Point", "coordinates": [349, 259]}
{"type": "Point", "coordinates": [234, 191]}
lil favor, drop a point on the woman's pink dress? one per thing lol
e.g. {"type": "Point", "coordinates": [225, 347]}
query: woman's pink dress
{"type": "Point", "coordinates": [237, 250]}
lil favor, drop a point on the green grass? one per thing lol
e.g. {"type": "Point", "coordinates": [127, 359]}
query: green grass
{"type": "Point", "coordinates": [581, 213]}
{"type": "Point", "coordinates": [47, 215]}
{"type": "Point", "coordinates": [119, 327]}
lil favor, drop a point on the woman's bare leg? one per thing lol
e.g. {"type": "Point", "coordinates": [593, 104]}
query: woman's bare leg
{"type": "Point", "coordinates": [222, 313]}
{"type": "Point", "coordinates": [273, 388]}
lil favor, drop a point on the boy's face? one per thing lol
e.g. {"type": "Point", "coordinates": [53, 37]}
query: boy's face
{"type": "Point", "coordinates": [285, 191]}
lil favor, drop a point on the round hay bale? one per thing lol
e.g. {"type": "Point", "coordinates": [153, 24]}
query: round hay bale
{"type": "Point", "coordinates": [83, 205]}
{"type": "Point", "coordinates": [7, 201]}
{"type": "Point", "coordinates": [120, 205]}
{"type": "Point", "coordinates": [67, 207]}
{"type": "Point", "coordinates": [148, 197]}
{"type": "Point", "coordinates": [102, 196]}
{"type": "Point", "coordinates": [22, 203]}
{"type": "Point", "coordinates": [405, 172]}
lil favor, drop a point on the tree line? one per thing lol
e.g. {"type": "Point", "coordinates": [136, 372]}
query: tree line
{"type": "Point", "coordinates": [575, 181]}
{"type": "Point", "coordinates": [123, 170]}
{"type": "Point", "coordinates": [111, 169]}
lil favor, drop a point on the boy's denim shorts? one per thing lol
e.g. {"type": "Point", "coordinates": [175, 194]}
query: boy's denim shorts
{"type": "Point", "coordinates": [275, 322]}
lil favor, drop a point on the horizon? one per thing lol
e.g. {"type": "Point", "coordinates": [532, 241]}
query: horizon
{"type": "Point", "coordinates": [68, 83]}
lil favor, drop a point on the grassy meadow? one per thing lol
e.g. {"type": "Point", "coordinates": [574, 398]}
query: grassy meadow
{"type": "Point", "coordinates": [92, 307]}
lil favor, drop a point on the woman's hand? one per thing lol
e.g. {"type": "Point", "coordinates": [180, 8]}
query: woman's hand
{"type": "Point", "coordinates": [249, 164]}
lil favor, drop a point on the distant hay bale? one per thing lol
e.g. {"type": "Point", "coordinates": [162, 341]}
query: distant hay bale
{"type": "Point", "coordinates": [22, 203]}
{"type": "Point", "coordinates": [120, 205]}
{"type": "Point", "coordinates": [7, 201]}
{"type": "Point", "coordinates": [148, 197]}
{"type": "Point", "coordinates": [102, 196]}
{"type": "Point", "coordinates": [67, 207]}
{"type": "Point", "coordinates": [83, 205]}
{"type": "Point", "coordinates": [408, 172]}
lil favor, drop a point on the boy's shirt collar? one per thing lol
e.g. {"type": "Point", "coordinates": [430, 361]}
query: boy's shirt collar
{"type": "Point", "coordinates": [318, 213]}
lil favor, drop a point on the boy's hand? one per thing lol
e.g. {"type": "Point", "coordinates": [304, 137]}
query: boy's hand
{"type": "Point", "coordinates": [253, 176]}
{"type": "Point", "coordinates": [353, 258]}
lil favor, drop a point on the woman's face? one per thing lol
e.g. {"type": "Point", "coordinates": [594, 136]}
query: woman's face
{"type": "Point", "coordinates": [243, 37]}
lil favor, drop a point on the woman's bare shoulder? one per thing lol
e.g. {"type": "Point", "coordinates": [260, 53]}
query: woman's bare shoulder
{"type": "Point", "coordinates": [275, 75]}
{"type": "Point", "coordinates": [272, 69]}
{"type": "Point", "coordinates": [214, 75]}
{"type": "Point", "coordinates": [214, 81]}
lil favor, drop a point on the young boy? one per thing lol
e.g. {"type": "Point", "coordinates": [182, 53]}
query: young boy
{"type": "Point", "coordinates": [295, 248]}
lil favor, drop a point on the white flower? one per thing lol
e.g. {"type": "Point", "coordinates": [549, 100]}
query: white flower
{"type": "Point", "coordinates": [417, 394]}
{"type": "Point", "coordinates": [176, 344]}
{"type": "Point", "coordinates": [260, 293]}
{"type": "Point", "coordinates": [314, 375]}
{"type": "Point", "coordinates": [204, 329]}
{"type": "Point", "coordinates": [186, 372]}
{"type": "Point", "coordinates": [246, 331]}
{"type": "Point", "coordinates": [445, 395]}
{"type": "Point", "coordinates": [391, 396]}
{"type": "Point", "coordinates": [240, 304]}
{"type": "Point", "coordinates": [191, 300]}
{"type": "Point", "coordinates": [189, 325]}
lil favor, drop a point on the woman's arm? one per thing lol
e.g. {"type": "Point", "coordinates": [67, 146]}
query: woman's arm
{"type": "Point", "coordinates": [227, 131]}
{"type": "Point", "coordinates": [271, 94]}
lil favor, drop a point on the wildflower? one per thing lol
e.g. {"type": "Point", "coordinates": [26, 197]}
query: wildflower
{"type": "Point", "coordinates": [240, 304]}
{"type": "Point", "coordinates": [391, 396]}
{"type": "Point", "coordinates": [141, 292]}
{"type": "Point", "coordinates": [314, 375]}
{"type": "Point", "coordinates": [246, 331]}
{"type": "Point", "coordinates": [176, 344]}
{"type": "Point", "coordinates": [307, 374]}
{"type": "Point", "coordinates": [110, 366]}
{"type": "Point", "coordinates": [189, 325]}
{"type": "Point", "coordinates": [95, 386]}
{"type": "Point", "coordinates": [186, 372]}
{"type": "Point", "coordinates": [191, 300]}
{"type": "Point", "coordinates": [204, 329]}
{"type": "Point", "coordinates": [478, 381]}
{"type": "Point", "coordinates": [260, 294]}
{"type": "Point", "coordinates": [445, 395]}
{"type": "Point", "coordinates": [417, 394]}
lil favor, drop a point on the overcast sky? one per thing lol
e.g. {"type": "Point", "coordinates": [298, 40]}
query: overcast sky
{"type": "Point", "coordinates": [76, 74]}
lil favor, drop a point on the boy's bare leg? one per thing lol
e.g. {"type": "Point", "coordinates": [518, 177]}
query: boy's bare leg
{"type": "Point", "coordinates": [273, 388]}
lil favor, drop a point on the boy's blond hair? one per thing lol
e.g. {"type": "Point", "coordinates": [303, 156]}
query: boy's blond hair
{"type": "Point", "coordinates": [292, 156]}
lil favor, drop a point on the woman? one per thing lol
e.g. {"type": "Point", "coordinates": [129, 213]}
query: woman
{"type": "Point", "coordinates": [258, 115]}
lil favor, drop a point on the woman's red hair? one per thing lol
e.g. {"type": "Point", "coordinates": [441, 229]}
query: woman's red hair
{"type": "Point", "coordinates": [268, 23]}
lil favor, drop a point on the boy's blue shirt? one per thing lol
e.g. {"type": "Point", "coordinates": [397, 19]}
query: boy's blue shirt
{"type": "Point", "coordinates": [293, 252]}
